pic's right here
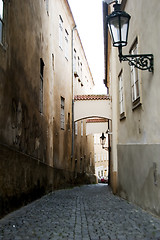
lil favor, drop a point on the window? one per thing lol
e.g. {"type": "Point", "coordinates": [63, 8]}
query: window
{"type": "Point", "coordinates": [74, 60]}
{"type": "Point", "coordinates": [62, 113]}
{"type": "Point", "coordinates": [101, 173]}
{"type": "Point", "coordinates": [47, 6]}
{"type": "Point", "coordinates": [90, 159]}
{"type": "Point", "coordinates": [60, 32]}
{"type": "Point", "coordinates": [1, 20]}
{"type": "Point", "coordinates": [81, 71]}
{"type": "Point", "coordinates": [78, 65]}
{"type": "Point", "coordinates": [53, 61]}
{"type": "Point", "coordinates": [76, 128]}
{"type": "Point", "coordinates": [121, 96]}
{"type": "Point", "coordinates": [81, 164]}
{"type": "Point", "coordinates": [95, 156]}
{"type": "Point", "coordinates": [135, 79]}
{"type": "Point", "coordinates": [99, 157]}
{"type": "Point", "coordinates": [102, 158]}
{"type": "Point", "coordinates": [68, 121]}
{"type": "Point", "coordinates": [81, 128]}
{"type": "Point", "coordinates": [66, 44]}
{"type": "Point", "coordinates": [41, 86]}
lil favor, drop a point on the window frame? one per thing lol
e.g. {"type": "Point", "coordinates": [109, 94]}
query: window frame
{"type": "Point", "coordinates": [2, 24]}
{"type": "Point", "coordinates": [66, 45]}
{"type": "Point", "coordinates": [135, 79]}
{"type": "Point", "coordinates": [60, 32]}
{"type": "Point", "coordinates": [62, 117]}
{"type": "Point", "coordinates": [81, 128]}
{"type": "Point", "coordinates": [122, 110]}
{"type": "Point", "coordinates": [76, 128]}
{"type": "Point", "coordinates": [41, 87]}
{"type": "Point", "coordinates": [47, 6]}
{"type": "Point", "coordinates": [75, 60]}
{"type": "Point", "coordinates": [69, 118]}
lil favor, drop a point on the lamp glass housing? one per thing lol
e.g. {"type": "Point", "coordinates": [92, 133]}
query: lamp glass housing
{"type": "Point", "coordinates": [102, 139]}
{"type": "Point", "coordinates": [118, 22]}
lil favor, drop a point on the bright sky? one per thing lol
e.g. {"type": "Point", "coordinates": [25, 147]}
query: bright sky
{"type": "Point", "coordinates": [89, 21]}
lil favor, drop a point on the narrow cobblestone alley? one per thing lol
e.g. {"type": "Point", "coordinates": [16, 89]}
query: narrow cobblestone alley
{"type": "Point", "coordinates": [88, 212]}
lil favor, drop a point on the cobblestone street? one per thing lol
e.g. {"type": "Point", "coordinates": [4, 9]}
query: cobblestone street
{"type": "Point", "coordinates": [89, 212]}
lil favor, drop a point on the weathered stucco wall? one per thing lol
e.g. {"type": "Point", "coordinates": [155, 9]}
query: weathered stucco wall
{"type": "Point", "coordinates": [137, 134]}
{"type": "Point", "coordinates": [22, 126]}
{"type": "Point", "coordinates": [138, 172]}
{"type": "Point", "coordinates": [35, 153]}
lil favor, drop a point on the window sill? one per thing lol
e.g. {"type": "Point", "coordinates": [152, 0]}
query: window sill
{"type": "Point", "coordinates": [61, 48]}
{"type": "Point", "coordinates": [4, 47]}
{"type": "Point", "coordinates": [122, 116]}
{"type": "Point", "coordinates": [137, 103]}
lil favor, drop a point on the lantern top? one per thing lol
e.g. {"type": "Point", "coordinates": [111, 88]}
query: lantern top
{"type": "Point", "coordinates": [118, 22]}
{"type": "Point", "coordinates": [118, 12]}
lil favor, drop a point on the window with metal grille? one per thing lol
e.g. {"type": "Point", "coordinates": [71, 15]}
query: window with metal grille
{"type": "Point", "coordinates": [62, 113]}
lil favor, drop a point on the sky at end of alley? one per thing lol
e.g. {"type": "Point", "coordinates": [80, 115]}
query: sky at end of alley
{"type": "Point", "coordinates": [89, 21]}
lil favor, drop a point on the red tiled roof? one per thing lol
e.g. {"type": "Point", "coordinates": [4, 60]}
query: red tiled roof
{"type": "Point", "coordinates": [96, 120]}
{"type": "Point", "coordinates": [91, 97]}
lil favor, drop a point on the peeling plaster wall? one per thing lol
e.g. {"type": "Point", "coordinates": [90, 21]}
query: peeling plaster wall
{"type": "Point", "coordinates": [139, 175]}
{"type": "Point", "coordinates": [35, 153]}
{"type": "Point", "coordinates": [21, 125]}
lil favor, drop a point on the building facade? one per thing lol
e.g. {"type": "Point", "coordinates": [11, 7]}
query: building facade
{"type": "Point", "coordinates": [135, 118]}
{"type": "Point", "coordinates": [83, 154]}
{"type": "Point", "coordinates": [36, 99]}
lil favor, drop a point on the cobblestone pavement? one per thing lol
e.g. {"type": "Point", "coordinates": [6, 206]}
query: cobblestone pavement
{"type": "Point", "coordinates": [89, 212]}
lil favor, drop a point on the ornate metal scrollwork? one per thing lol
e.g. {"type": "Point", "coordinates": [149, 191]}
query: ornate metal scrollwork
{"type": "Point", "coordinates": [143, 62]}
{"type": "Point", "coordinates": [140, 61]}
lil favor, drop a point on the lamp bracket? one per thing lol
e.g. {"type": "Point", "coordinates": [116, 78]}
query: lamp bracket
{"type": "Point", "coordinates": [140, 61]}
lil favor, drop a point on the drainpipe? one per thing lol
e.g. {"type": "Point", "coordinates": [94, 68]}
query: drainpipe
{"type": "Point", "coordinates": [72, 153]}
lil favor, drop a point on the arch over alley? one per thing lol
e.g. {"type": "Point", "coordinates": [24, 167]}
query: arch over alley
{"type": "Point", "coordinates": [92, 106]}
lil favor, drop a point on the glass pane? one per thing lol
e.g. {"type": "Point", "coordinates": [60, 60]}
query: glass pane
{"type": "Point", "coordinates": [1, 25]}
{"type": "Point", "coordinates": [1, 9]}
{"type": "Point", "coordinates": [114, 24]}
{"type": "Point", "coordinates": [124, 33]}
{"type": "Point", "coordinates": [137, 89]}
{"type": "Point", "coordinates": [124, 29]}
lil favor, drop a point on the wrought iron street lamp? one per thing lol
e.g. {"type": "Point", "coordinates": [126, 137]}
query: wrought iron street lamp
{"type": "Point", "coordinates": [118, 22]}
{"type": "Point", "coordinates": [103, 141]}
